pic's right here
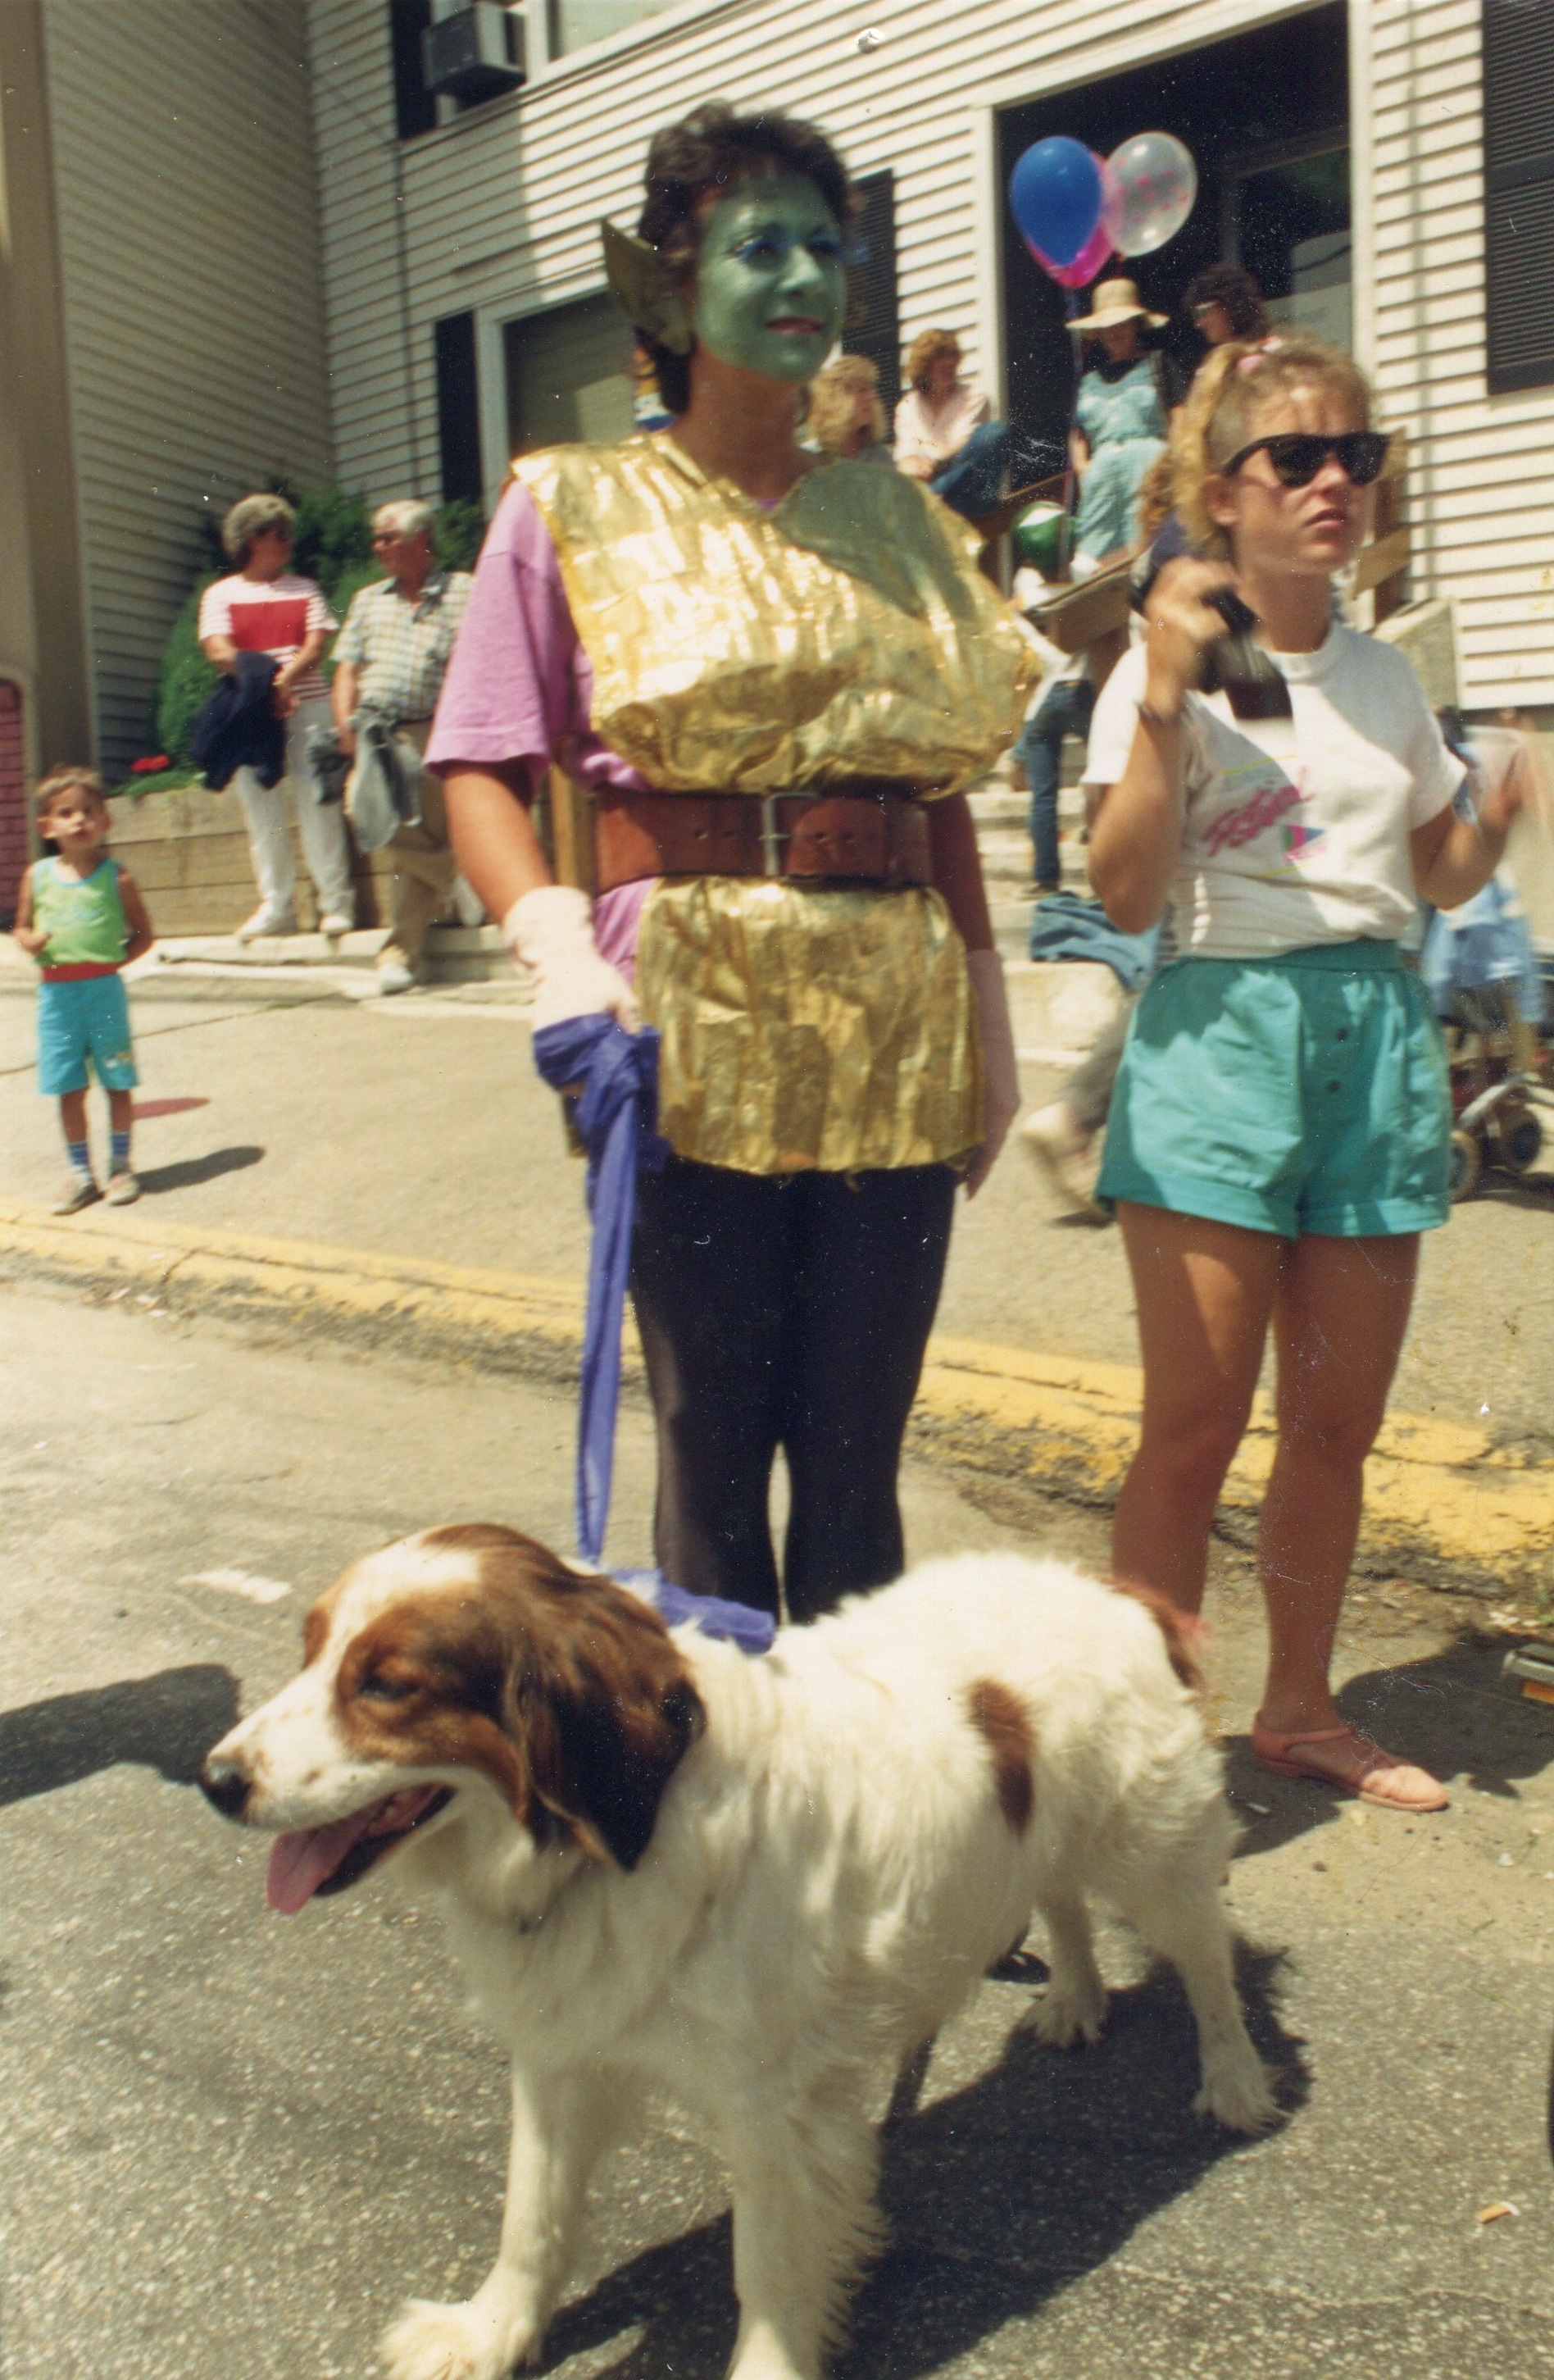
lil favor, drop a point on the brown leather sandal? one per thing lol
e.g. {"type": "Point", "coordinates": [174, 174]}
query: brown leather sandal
{"type": "Point", "coordinates": [1371, 1774]}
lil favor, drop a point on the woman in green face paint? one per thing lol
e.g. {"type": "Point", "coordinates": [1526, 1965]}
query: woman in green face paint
{"type": "Point", "coordinates": [775, 673]}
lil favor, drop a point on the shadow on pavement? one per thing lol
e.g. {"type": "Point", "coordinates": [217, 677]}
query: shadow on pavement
{"type": "Point", "coordinates": [997, 2196]}
{"type": "Point", "coordinates": [193, 1170]}
{"type": "Point", "coordinates": [168, 1722]}
{"type": "Point", "coordinates": [1449, 1711]}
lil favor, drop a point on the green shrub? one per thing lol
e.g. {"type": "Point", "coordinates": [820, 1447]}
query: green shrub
{"type": "Point", "coordinates": [185, 682]}
{"type": "Point", "coordinates": [334, 546]}
{"type": "Point", "coordinates": [333, 536]}
{"type": "Point", "coordinates": [159, 781]}
{"type": "Point", "coordinates": [460, 528]}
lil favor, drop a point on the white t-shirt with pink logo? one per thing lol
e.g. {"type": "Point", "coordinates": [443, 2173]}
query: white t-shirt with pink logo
{"type": "Point", "coordinates": [1297, 831]}
{"type": "Point", "coordinates": [270, 615]}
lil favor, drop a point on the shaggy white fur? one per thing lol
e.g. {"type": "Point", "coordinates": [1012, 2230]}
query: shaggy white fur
{"type": "Point", "coordinates": [867, 1819]}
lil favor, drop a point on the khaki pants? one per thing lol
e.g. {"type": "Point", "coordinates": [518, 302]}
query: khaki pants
{"type": "Point", "coordinates": [424, 868]}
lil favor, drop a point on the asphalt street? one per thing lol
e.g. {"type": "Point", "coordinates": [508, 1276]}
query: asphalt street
{"type": "Point", "coordinates": [232, 2142]}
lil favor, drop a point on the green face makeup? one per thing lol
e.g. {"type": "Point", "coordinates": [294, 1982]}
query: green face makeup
{"type": "Point", "coordinates": [772, 279]}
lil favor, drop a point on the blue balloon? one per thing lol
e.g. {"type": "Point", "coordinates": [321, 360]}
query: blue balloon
{"type": "Point", "coordinates": [1056, 194]}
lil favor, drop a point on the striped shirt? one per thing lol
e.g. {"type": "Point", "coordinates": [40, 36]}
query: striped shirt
{"type": "Point", "coordinates": [268, 615]}
{"type": "Point", "coordinates": [400, 648]}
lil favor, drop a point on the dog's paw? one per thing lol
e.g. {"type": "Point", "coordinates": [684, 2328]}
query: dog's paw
{"type": "Point", "coordinates": [456, 2342]}
{"type": "Point", "coordinates": [1068, 2012]}
{"type": "Point", "coordinates": [1237, 2091]}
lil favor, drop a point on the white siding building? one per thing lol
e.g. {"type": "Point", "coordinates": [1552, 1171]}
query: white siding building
{"type": "Point", "coordinates": [460, 256]}
{"type": "Point", "coordinates": [162, 328]}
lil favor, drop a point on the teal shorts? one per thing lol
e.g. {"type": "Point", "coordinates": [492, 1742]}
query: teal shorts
{"type": "Point", "coordinates": [1302, 1093]}
{"type": "Point", "coordinates": [89, 1018]}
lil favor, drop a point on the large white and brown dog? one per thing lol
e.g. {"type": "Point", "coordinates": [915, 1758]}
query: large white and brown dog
{"type": "Point", "coordinates": [750, 1883]}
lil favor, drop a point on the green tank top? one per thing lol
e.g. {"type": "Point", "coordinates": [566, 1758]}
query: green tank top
{"type": "Point", "coordinates": [82, 915]}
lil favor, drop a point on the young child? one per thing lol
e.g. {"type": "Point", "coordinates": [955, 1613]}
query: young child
{"type": "Point", "coordinates": [80, 914]}
{"type": "Point", "coordinates": [1280, 1132]}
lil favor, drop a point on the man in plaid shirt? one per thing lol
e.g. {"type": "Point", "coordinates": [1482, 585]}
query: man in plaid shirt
{"type": "Point", "coordinates": [390, 657]}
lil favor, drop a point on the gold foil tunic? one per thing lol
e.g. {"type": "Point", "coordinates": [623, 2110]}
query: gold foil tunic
{"type": "Point", "coordinates": [844, 634]}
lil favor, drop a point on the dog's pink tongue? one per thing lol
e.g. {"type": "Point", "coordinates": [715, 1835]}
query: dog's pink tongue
{"type": "Point", "coordinates": [300, 1863]}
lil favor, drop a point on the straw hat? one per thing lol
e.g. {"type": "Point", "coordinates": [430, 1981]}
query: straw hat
{"type": "Point", "coordinates": [1117, 301]}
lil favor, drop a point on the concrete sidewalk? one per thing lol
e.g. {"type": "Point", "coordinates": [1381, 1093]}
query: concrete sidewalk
{"type": "Point", "coordinates": [394, 1150]}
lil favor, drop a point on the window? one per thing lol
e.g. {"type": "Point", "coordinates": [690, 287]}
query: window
{"type": "Point", "coordinates": [1289, 225]}
{"type": "Point", "coordinates": [1519, 193]}
{"type": "Point", "coordinates": [874, 315]}
{"type": "Point", "coordinates": [415, 107]}
{"type": "Point", "coordinates": [568, 376]}
{"type": "Point", "coordinates": [458, 409]}
{"type": "Point", "coordinates": [576, 24]}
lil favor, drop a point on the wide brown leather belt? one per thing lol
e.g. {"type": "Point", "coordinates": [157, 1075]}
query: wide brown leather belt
{"type": "Point", "coordinates": [859, 838]}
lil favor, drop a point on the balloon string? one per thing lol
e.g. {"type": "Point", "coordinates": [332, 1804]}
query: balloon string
{"type": "Point", "coordinates": [1071, 476]}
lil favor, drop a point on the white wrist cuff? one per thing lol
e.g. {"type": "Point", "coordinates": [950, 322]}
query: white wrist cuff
{"type": "Point", "coordinates": [550, 933]}
{"type": "Point", "coordinates": [545, 924]}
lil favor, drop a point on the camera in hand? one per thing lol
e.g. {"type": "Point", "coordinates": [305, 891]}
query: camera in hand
{"type": "Point", "coordinates": [1239, 666]}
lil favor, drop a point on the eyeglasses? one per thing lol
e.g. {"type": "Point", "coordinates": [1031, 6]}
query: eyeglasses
{"type": "Point", "coordinates": [1297, 455]}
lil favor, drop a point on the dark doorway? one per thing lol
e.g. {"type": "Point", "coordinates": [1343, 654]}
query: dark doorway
{"type": "Point", "coordinates": [458, 409]}
{"type": "Point", "coordinates": [874, 310]}
{"type": "Point", "coordinates": [1266, 118]}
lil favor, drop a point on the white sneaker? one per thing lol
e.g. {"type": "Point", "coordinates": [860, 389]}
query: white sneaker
{"type": "Point", "coordinates": [1066, 1159]}
{"type": "Point", "coordinates": [333, 923]}
{"type": "Point", "coordinates": [468, 907]}
{"type": "Point", "coordinates": [79, 1191]}
{"type": "Point", "coordinates": [395, 976]}
{"type": "Point", "coordinates": [265, 922]}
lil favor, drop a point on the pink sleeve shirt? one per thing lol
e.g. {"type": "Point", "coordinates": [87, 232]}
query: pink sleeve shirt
{"type": "Point", "coordinates": [520, 687]}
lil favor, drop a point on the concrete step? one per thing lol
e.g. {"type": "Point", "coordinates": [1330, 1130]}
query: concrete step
{"type": "Point", "coordinates": [467, 955]}
{"type": "Point", "coordinates": [1058, 1008]}
{"type": "Point", "coordinates": [454, 953]}
{"type": "Point", "coordinates": [994, 809]}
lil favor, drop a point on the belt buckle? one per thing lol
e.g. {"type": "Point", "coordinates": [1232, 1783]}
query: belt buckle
{"type": "Point", "coordinates": [772, 837]}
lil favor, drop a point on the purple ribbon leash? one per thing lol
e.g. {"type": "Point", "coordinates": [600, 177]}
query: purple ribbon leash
{"type": "Point", "coordinates": [615, 1117]}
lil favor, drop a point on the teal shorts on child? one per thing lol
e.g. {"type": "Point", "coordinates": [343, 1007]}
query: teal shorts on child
{"type": "Point", "coordinates": [1305, 1093]}
{"type": "Point", "coordinates": [87, 1018]}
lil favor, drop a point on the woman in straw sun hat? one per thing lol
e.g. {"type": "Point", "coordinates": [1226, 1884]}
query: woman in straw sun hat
{"type": "Point", "coordinates": [1119, 422]}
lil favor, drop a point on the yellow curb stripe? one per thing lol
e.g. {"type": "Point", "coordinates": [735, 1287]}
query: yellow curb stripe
{"type": "Point", "coordinates": [1434, 1488]}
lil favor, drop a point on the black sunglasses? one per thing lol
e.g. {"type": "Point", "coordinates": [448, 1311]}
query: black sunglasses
{"type": "Point", "coordinates": [1297, 455]}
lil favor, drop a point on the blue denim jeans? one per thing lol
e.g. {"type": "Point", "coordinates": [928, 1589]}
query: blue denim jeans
{"type": "Point", "coordinates": [1064, 710]}
{"type": "Point", "coordinates": [973, 482]}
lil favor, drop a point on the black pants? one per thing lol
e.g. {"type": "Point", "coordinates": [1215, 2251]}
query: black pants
{"type": "Point", "coordinates": [787, 1312]}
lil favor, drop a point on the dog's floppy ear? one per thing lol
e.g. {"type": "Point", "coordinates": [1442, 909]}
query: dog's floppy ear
{"type": "Point", "coordinates": [607, 1711]}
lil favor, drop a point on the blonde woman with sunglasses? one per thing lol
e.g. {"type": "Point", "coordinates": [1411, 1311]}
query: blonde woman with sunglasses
{"type": "Point", "coordinates": [1279, 1134]}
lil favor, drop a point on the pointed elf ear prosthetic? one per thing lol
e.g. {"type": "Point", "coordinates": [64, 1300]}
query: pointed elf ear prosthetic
{"type": "Point", "coordinates": [642, 288]}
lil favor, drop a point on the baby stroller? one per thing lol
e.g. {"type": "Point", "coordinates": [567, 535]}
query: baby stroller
{"type": "Point", "coordinates": [1480, 968]}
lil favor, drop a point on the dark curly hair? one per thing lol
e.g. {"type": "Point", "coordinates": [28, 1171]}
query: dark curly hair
{"type": "Point", "coordinates": [1228, 285]}
{"type": "Point", "coordinates": [713, 149]}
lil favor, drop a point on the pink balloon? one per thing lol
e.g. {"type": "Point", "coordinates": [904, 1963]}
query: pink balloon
{"type": "Point", "coordinates": [1149, 186]}
{"type": "Point", "coordinates": [1090, 260]}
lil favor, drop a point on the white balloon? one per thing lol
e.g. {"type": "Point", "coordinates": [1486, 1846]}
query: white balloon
{"type": "Point", "coordinates": [1152, 185]}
